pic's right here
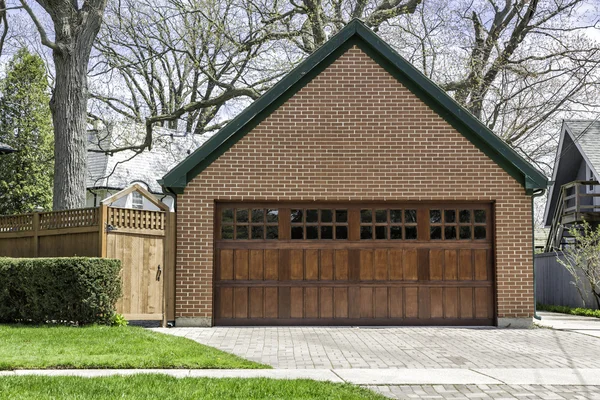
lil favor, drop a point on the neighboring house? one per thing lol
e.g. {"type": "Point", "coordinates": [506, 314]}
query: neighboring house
{"type": "Point", "coordinates": [110, 173]}
{"type": "Point", "coordinates": [354, 192]}
{"type": "Point", "coordinates": [6, 149]}
{"type": "Point", "coordinates": [575, 194]}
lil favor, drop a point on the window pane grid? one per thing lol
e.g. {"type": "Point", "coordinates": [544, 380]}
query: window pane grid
{"type": "Point", "coordinates": [457, 224]}
{"type": "Point", "coordinates": [319, 224]}
{"type": "Point", "coordinates": [249, 224]}
{"type": "Point", "coordinates": [388, 224]}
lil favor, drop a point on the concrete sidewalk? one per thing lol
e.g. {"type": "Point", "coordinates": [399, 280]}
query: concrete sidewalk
{"type": "Point", "coordinates": [449, 376]}
{"type": "Point", "coordinates": [571, 323]}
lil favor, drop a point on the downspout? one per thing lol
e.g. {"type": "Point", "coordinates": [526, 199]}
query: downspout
{"type": "Point", "coordinates": [539, 193]}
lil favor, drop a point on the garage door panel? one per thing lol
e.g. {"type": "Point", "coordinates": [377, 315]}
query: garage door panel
{"type": "Point", "coordinates": [326, 302]}
{"type": "Point", "coordinates": [367, 272]}
{"type": "Point", "coordinates": [396, 302]}
{"type": "Point", "coordinates": [362, 281]}
{"type": "Point", "coordinates": [240, 302]}
{"type": "Point", "coordinates": [410, 265]}
{"type": "Point", "coordinates": [466, 302]}
{"type": "Point", "coordinates": [381, 265]}
{"type": "Point", "coordinates": [311, 265]}
{"type": "Point", "coordinates": [225, 301]}
{"type": "Point", "coordinates": [450, 265]}
{"type": "Point", "coordinates": [271, 302]}
{"type": "Point", "coordinates": [482, 302]}
{"type": "Point", "coordinates": [366, 302]}
{"type": "Point", "coordinates": [340, 298]}
{"type": "Point", "coordinates": [326, 265]}
{"type": "Point", "coordinates": [451, 302]}
{"type": "Point", "coordinates": [381, 302]}
{"type": "Point", "coordinates": [481, 264]}
{"type": "Point", "coordinates": [285, 302]}
{"type": "Point", "coordinates": [411, 302]}
{"type": "Point", "coordinates": [465, 265]}
{"type": "Point", "coordinates": [437, 302]}
{"type": "Point", "coordinates": [296, 302]}
{"type": "Point", "coordinates": [341, 265]}
{"type": "Point", "coordinates": [256, 308]}
{"type": "Point", "coordinates": [271, 265]}
{"type": "Point", "coordinates": [311, 302]}
{"type": "Point", "coordinates": [226, 264]}
{"type": "Point", "coordinates": [256, 268]}
{"type": "Point", "coordinates": [436, 264]}
{"type": "Point", "coordinates": [296, 265]}
{"type": "Point", "coordinates": [241, 264]}
{"type": "Point", "coordinates": [396, 272]}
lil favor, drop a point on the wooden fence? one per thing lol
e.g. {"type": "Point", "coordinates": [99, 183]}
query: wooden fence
{"type": "Point", "coordinates": [553, 283]}
{"type": "Point", "coordinates": [143, 240]}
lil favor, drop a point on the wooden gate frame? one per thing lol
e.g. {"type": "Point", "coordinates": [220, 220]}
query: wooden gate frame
{"type": "Point", "coordinates": [168, 303]}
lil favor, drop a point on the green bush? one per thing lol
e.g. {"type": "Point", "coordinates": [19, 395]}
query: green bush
{"type": "Point", "coordinates": [586, 312]}
{"type": "Point", "coordinates": [76, 290]}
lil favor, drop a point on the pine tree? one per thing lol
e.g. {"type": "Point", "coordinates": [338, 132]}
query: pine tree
{"type": "Point", "coordinates": [26, 177]}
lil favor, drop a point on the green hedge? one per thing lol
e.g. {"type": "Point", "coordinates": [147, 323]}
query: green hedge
{"type": "Point", "coordinates": [77, 290]}
{"type": "Point", "coordinates": [586, 312]}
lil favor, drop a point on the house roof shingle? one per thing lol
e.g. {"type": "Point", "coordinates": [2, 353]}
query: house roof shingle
{"type": "Point", "coordinates": [586, 133]}
{"type": "Point", "coordinates": [121, 169]}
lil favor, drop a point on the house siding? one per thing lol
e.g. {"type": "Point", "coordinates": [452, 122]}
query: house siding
{"type": "Point", "coordinates": [354, 133]}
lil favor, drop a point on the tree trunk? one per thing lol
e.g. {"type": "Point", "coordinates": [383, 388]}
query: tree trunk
{"type": "Point", "coordinates": [69, 112]}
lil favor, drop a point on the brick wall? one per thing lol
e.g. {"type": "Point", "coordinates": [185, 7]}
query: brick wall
{"type": "Point", "coordinates": [354, 133]}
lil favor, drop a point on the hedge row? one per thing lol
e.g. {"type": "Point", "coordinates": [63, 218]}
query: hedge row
{"type": "Point", "coordinates": [64, 290]}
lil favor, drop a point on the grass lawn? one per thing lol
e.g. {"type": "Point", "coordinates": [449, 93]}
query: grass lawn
{"type": "Point", "coordinates": [33, 347]}
{"type": "Point", "coordinates": [165, 387]}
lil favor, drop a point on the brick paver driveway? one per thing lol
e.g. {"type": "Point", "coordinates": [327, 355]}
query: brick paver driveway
{"type": "Point", "coordinates": [347, 347]}
{"type": "Point", "coordinates": [489, 392]}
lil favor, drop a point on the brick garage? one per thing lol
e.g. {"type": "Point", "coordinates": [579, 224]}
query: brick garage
{"type": "Point", "coordinates": [353, 133]}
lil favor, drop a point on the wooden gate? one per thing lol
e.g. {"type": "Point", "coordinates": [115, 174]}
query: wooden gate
{"type": "Point", "coordinates": [138, 239]}
{"type": "Point", "coordinates": [143, 240]}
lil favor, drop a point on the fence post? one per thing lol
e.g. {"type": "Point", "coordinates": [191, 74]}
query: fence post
{"type": "Point", "coordinates": [102, 223]}
{"type": "Point", "coordinates": [36, 234]}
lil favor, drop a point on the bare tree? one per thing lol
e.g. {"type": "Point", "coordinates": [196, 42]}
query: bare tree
{"type": "Point", "coordinates": [193, 60]}
{"type": "Point", "coordinates": [582, 260]}
{"type": "Point", "coordinates": [515, 65]}
{"type": "Point", "coordinates": [75, 28]}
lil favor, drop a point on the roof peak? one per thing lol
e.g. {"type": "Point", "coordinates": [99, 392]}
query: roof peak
{"type": "Point", "coordinates": [356, 33]}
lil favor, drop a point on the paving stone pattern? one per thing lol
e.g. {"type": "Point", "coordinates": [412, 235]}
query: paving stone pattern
{"type": "Point", "coordinates": [346, 347]}
{"type": "Point", "coordinates": [496, 392]}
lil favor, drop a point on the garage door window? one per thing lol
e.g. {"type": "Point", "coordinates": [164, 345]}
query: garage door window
{"type": "Point", "coordinates": [249, 223]}
{"type": "Point", "coordinates": [382, 224]}
{"type": "Point", "coordinates": [319, 224]}
{"type": "Point", "coordinates": [457, 224]}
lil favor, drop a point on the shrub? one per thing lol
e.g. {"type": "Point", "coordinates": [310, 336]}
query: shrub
{"type": "Point", "coordinates": [586, 312]}
{"type": "Point", "coordinates": [65, 290]}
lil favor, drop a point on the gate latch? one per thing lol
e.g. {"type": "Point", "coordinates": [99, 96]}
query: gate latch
{"type": "Point", "coordinates": [158, 272]}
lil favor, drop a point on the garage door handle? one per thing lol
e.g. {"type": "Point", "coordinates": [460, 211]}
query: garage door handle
{"type": "Point", "coordinates": [158, 272]}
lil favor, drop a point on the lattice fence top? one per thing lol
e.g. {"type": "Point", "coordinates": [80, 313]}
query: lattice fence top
{"type": "Point", "coordinates": [136, 219]}
{"type": "Point", "coordinates": [69, 218]}
{"type": "Point", "coordinates": [16, 223]}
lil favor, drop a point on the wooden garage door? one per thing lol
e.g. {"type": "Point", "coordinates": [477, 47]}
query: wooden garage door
{"type": "Point", "coordinates": [354, 264]}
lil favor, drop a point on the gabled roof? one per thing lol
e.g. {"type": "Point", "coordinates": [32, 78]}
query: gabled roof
{"type": "Point", "coordinates": [579, 142]}
{"type": "Point", "coordinates": [5, 149]}
{"type": "Point", "coordinates": [587, 138]}
{"type": "Point", "coordinates": [121, 169]}
{"type": "Point", "coordinates": [356, 33]}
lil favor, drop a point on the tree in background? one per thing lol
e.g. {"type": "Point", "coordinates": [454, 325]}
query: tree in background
{"type": "Point", "coordinates": [26, 177]}
{"type": "Point", "coordinates": [582, 260]}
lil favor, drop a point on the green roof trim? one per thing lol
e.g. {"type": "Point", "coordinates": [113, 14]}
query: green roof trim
{"type": "Point", "coordinates": [357, 34]}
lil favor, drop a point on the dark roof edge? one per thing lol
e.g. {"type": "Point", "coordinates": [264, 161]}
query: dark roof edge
{"type": "Point", "coordinates": [527, 175]}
